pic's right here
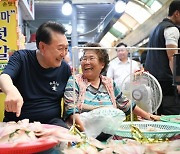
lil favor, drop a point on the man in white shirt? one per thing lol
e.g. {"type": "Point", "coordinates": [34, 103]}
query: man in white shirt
{"type": "Point", "coordinates": [119, 68]}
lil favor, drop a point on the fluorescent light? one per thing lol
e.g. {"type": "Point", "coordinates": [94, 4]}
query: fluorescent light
{"type": "Point", "coordinates": [120, 6]}
{"type": "Point", "coordinates": [67, 8]}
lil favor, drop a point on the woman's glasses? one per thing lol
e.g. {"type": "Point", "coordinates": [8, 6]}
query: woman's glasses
{"type": "Point", "coordinates": [84, 59]}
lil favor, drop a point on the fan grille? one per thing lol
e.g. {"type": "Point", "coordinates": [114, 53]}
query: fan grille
{"type": "Point", "coordinates": [152, 97]}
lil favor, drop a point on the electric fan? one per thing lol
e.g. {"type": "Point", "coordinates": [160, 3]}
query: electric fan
{"type": "Point", "coordinates": [146, 91]}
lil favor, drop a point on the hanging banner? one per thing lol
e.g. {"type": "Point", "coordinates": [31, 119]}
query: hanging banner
{"type": "Point", "coordinates": [8, 29]}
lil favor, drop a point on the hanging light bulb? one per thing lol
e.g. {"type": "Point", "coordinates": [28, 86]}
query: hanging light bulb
{"type": "Point", "coordinates": [67, 7]}
{"type": "Point", "coordinates": [120, 6]}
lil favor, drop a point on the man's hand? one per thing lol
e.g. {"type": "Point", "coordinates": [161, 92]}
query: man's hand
{"type": "Point", "coordinates": [14, 101]}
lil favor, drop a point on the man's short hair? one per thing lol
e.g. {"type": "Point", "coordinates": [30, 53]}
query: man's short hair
{"type": "Point", "coordinates": [44, 32]}
{"type": "Point", "coordinates": [174, 6]}
{"type": "Point", "coordinates": [121, 44]}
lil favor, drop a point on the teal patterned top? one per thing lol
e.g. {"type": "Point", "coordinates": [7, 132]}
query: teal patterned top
{"type": "Point", "coordinates": [94, 97]}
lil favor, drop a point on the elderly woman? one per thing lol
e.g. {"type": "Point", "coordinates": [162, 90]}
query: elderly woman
{"type": "Point", "coordinates": [93, 90]}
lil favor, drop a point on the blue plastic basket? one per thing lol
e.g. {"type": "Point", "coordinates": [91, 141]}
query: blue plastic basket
{"type": "Point", "coordinates": [171, 118]}
{"type": "Point", "coordinates": [161, 129]}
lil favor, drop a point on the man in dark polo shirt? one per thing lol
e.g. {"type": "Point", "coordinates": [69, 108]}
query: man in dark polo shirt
{"type": "Point", "coordinates": [160, 62]}
{"type": "Point", "coordinates": [34, 80]}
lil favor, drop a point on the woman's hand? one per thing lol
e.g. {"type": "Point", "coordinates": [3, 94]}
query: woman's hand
{"type": "Point", "coordinates": [154, 117]}
{"type": "Point", "coordinates": [140, 112]}
{"type": "Point", "coordinates": [78, 122]}
{"type": "Point", "coordinates": [138, 72]}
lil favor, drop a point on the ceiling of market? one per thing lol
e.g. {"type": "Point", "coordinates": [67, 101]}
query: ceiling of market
{"type": "Point", "coordinates": [96, 19]}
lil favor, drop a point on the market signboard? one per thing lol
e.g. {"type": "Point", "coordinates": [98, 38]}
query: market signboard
{"type": "Point", "coordinates": [8, 29]}
{"type": "Point", "coordinates": [8, 37]}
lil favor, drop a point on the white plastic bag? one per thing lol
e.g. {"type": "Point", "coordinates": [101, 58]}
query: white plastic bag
{"type": "Point", "coordinates": [104, 119]}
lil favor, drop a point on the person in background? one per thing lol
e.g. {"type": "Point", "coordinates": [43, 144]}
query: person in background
{"type": "Point", "coordinates": [160, 62]}
{"type": "Point", "coordinates": [119, 68]}
{"type": "Point", "coordinates": [93, 90]}
{"type": "Point", "coordinates": [34, 80]}
{"type": "Point", "coordinates": [143, 58]}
